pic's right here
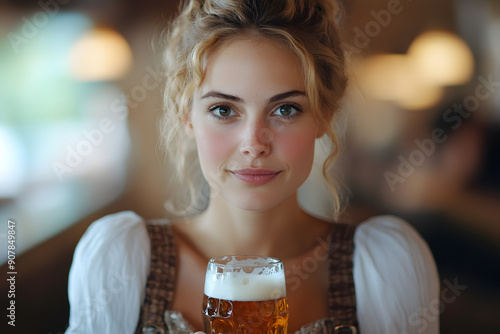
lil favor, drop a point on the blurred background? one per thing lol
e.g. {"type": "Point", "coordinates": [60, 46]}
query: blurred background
{"type": "Point", "coordinates": [80, 98]}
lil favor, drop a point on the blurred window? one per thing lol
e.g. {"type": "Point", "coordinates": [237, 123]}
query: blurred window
{"type": "Point", "coordinates": [63, 139]}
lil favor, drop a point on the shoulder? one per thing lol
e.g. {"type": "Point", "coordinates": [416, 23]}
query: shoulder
{"type": "Point", "coordinates": [109, 273]}
{"type": "Point", "coordinates": [395, 277]}
{"type": "Point", "coordinates": [387, 231]}
{"type": "Point", "coordinates": [115, 235]}
{"type": "Point", "coordinates": [112, 233]}
{"type": "Point", "coordinates": [116, 223]}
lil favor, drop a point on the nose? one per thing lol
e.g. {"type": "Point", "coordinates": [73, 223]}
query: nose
{"type": "Point", "coordinates": [257, 142]}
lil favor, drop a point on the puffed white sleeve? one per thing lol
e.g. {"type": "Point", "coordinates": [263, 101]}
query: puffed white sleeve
{"type": "Point", "coordinates": [395, 277]}
{"type": "Point", "coordinates": [107, 279]}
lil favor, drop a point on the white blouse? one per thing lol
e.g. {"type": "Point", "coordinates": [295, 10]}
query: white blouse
{"type": "Point", "coordinates": [395, 277]}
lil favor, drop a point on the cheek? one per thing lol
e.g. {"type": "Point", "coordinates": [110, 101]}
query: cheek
{"type": "Point", "coordinates": [213, 147]}
{"type": "Point", "coordinates": [298, 148]}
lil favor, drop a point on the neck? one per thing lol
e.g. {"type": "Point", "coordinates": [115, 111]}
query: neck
{"type": "Point", "coordinates": [269, 233]}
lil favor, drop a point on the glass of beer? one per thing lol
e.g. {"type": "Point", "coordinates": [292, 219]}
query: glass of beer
{"type": "Point", "coordinates": [245, 294]}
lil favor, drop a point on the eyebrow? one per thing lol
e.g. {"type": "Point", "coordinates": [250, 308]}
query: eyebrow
{"type": "Point", "coordinates": [277, 97]}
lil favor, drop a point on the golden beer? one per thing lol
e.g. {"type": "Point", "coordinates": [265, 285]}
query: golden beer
{"type": "Point", "coordinates": [245, 294]}
{"type": "Point", "coordinates": [232, 316]}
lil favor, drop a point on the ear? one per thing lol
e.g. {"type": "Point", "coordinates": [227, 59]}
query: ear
{"type": "Point", "coordinates": [188, 125]}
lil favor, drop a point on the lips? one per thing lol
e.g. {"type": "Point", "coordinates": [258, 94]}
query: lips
{"type": "Point", "coordinates": [255, 176]}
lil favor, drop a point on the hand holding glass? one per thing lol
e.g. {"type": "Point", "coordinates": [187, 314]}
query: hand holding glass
{"type": "Point", "coordinates": [245, 294]}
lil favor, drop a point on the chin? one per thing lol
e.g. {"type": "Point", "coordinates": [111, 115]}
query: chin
{"type": "Point", "coordinates": [254, 208]}
{"type": "Point", "coordinates": [254, 202]}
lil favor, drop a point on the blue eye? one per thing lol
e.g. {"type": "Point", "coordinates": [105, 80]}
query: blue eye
{"type": "Point", "coordinates": [222, 111]}
{"type": "Point", "coordinates": [287, 111]}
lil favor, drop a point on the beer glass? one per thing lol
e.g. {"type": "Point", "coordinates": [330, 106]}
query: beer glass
{"type": "Point", "coordinates": [245, 294]}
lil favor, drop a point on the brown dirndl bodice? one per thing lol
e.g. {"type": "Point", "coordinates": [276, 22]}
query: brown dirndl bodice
{"type": "Point", "coordinates": [157, 317]}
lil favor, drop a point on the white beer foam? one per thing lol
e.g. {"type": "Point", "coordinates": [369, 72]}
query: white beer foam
{"type": "Point", "coordinates": [258, 285]}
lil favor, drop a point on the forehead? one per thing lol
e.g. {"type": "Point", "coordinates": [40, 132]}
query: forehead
{"type": "Point", "coordinates": [253, 62]}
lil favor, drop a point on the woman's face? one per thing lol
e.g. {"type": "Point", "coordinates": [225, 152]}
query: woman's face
{"type": "Point", "coordinates": [252, 123]}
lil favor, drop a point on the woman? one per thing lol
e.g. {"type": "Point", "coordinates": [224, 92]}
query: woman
{"type": "Point", "coordinates": [251, 86]}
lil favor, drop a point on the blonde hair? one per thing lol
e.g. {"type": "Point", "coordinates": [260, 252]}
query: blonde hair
{"type": "Point", "coordinates": [307, 27]}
